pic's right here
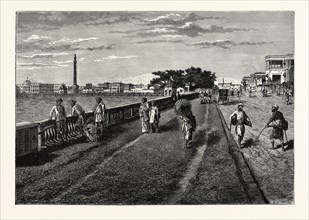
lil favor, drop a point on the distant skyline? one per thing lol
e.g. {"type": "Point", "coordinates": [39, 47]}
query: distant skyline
{"type": "Point", "coordinates": [129, 46]}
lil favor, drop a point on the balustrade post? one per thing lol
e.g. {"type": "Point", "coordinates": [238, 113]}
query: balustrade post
{"type": "Point", "coordinates": [132, 111]}
{"type": "Point", "coordinates": [41, 137]}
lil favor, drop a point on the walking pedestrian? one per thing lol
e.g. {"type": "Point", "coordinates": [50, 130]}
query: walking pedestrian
{"type": "Point", "coordinates": [78, 111]}
{"type": "Point", "coordinates": [238, 93]}
{"type": "Point", "coordinates": [144, 115]}
{"type": "Point", "coordinates": [173, 96]}
{"type": "Point", "coordinates": [287, 97]}
{"type": "Point", "coordinates": [250, 92]}
{"type": "Point", "coordinates": [58, 113]}
{"type": "Point", "coordinates": [183, 110]}
{"type": "Point", "coordinates": [276, 121]}
{"type": "Point", "coordinates": [99, 115]}
{"type": "Point", "coordinates": [239, 119]}
{"type": "Point", "coordinates": [154, 116]}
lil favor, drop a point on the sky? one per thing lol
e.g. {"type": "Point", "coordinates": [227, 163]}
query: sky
{"type": "Point", "coordinates": [129, 46]}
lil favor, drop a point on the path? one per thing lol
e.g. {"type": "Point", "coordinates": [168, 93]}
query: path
{"type": "Point", "coordinates": [130, 168]}
{"type": "Point", "coordinates": [273, 169]}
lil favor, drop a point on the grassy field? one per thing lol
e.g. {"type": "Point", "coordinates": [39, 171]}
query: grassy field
{"type": "Point", "coordinates": [38, 108]}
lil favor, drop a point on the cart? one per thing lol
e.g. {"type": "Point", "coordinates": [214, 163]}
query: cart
{"type": "Point", "coordinates": [223, 96]}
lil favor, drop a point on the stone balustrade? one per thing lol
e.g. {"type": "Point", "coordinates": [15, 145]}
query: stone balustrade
{"type": "Point", "coordinates": [30, 136]}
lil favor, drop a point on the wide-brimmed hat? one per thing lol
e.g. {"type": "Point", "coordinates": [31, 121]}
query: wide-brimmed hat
{"type": "Point", "coordinates": [144, 100]}
{"type": "Point", "coordinates": [59, 100]}
{"type": "Point", "coordinates": [73, 101]}
{"type": "Point", "coordinates": [275, 106]}
{"type": "Point", "coordinates": [98, 99]}
{"type": "Point", "coordinates": [240, 104]}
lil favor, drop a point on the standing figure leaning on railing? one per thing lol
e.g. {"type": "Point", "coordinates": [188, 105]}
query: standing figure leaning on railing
{"type": "Point", "coordinates": [59, 114]}
{"type": "Point", "coordinates": [99, 114]}
{"type": "Point", "coordinates": [144, 115]}
{"type": "Point", "coordinates": [78, 111]}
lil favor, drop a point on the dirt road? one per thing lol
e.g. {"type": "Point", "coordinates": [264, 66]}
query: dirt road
{"type": "Point", "coordinates": [273, 169]}
{"type": "Point", "coordinates": [130, 168]}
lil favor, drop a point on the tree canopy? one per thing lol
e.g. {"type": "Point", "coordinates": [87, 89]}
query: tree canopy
{"type": "Point", "coordinates": [194, 77]}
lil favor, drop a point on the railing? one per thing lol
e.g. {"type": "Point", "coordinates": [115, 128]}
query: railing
{"type": "Point", "coordinates": [31, 136]}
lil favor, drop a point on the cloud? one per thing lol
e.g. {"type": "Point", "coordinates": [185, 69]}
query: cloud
{"type": "Point", "coordinates": [225, 44]}
{"type": "Point", "coordinates": [157, 41]}
{"type": "Point", "coordinates": [66, 40]}
{"type": "Point", "coordinates": [36, 37]}
{"type": "Point", "coordinates": [188, 29]}
{"type": "Point", "coordinates": [113, 57]}
{"type": "Point", "coordinates": [175, 19]}
{"type": "Point", "coordinates": [82, 59]}
{"type": "Point", "coordinates": [64, 44]}
{"type": "Point", "coordinates": [122, 19]}
{"type": "Point", "coordinates": [29, 21]}
{"type": "Point", "coordinates": [37, 65]}
{"type": "Point", "coordinates": [43, 55]}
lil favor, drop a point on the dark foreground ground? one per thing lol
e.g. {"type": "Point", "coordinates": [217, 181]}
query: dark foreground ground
{"type": "Point", "coordinates": [129, 168]}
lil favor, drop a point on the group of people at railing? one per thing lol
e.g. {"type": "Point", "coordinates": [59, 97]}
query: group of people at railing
{"type": "Point", "coordinates": [149, 116]}
{"type": "Point", "coordinates": [91, 128]}
{"type": "Point", "coordinates": [91, 125]}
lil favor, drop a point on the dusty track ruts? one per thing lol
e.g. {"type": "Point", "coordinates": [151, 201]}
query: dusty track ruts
{"type": "Point", "coordinates": [252, 187]}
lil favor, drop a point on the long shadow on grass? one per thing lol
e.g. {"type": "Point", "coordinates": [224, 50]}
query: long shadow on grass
{"type": "Point", "coordinates": [213, 138]}
{"type": "Point", "coordinates": [36, 160]}
{"type": "Point", "coordinates": [172, 125]}
{"type": "Point", "coordinates": [48, 155]}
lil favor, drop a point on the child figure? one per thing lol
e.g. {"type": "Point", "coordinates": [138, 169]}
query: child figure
{"type": "Point", "coordinates": [154, 116]}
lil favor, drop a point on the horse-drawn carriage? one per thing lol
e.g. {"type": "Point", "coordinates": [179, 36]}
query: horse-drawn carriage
{"type": "Point", "coordinates": [223, 96]}
{"type": "Point", "coordinates": [205, 96]}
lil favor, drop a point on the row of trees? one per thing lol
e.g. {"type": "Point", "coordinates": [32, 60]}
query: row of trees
{"type": "Point", "coordinates": [194, 77]}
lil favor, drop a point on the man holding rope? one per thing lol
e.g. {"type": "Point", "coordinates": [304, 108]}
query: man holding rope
{"type": "Point", "coordinates": [276, 121]}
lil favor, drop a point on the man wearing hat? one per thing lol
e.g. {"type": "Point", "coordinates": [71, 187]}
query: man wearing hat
{"type": "Point", "coordinates": [275, 121]}
{"type": "Point", "coordinates": [78, 111]}
{"type": "Point", "coordinates": [59, 114]}
{"type": "Point", "coordinates": [242, 119]}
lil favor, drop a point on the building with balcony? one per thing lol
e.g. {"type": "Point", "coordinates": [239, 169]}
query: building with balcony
{"type": "Point", "coordinates": [280, 72]}
{"type": "Point", "coordinates": [128, 87]}
{"type": "Point", "coordinates": [102, 87]}
{"type": "Point", "coordinates": [45, 88]}
{"type": "Point", "coordinates": [260, 80]}
{"type": "Point", "coordinates": [34, 88]}
{"type": "Point", "coordinates": [116, 87]}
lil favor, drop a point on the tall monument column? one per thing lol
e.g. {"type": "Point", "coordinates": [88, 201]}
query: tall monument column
{"type": "Point", "coordinates": [75, 87]}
